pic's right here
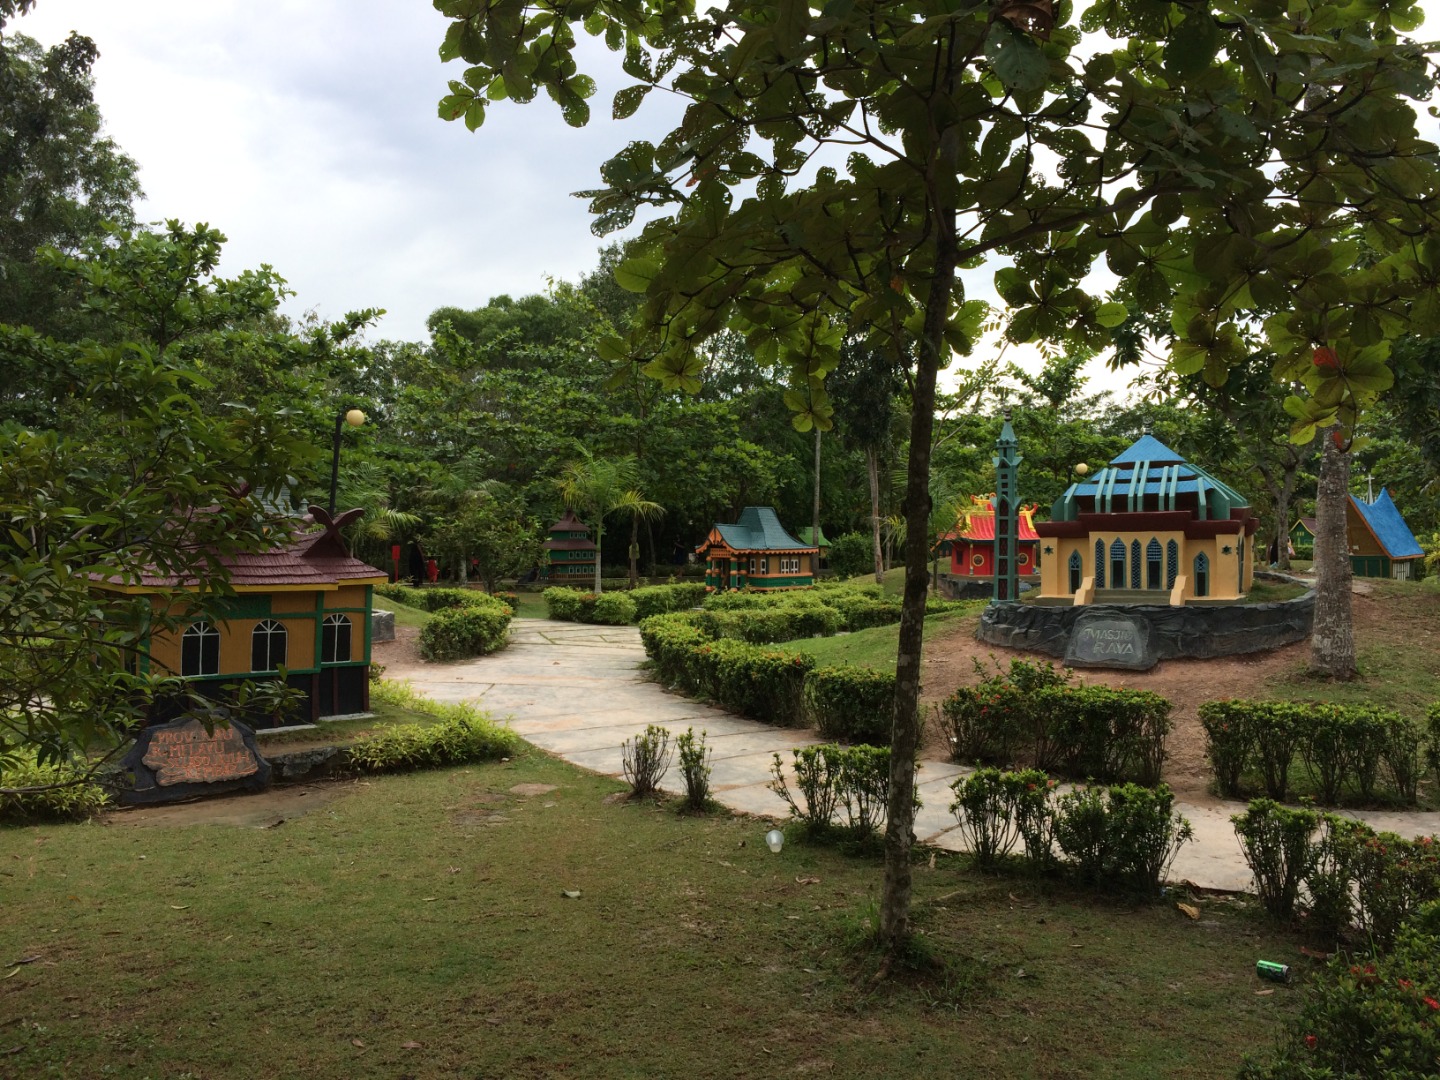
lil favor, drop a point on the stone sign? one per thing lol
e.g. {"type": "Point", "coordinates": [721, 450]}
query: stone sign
{"type": "Point", "coordinates": [1106, 639]}
{"type": "Point", "coordinates": [181, 760]}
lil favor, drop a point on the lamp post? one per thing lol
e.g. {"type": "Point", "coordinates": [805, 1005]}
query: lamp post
{"type": "Point", "coordinates": [353, 417]}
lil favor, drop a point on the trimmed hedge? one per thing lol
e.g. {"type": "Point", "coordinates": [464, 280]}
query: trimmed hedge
{"type": "Point", "coordinates": [661, 599]}
{"type": "Point", "coordinates": [619, 606]}
{"type": "Point", "coordinates": [853, 704]}
{"type": "Point", "coordinates": [1037, 715]}
{"type": "Point", "coordinates": [465, 734]}
{"type": "Point", "coordinates": [756, 682]}
{"type": "Point", "coordinates": [1344, 748]}
{"type": "Point", "coordinates": [479, 625]}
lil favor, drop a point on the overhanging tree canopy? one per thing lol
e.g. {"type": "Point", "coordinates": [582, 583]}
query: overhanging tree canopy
{"type": "Point", "coordinates": [1210, 154]}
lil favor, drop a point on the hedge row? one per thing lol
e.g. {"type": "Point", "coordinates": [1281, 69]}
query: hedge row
{"type": "Point", "coordinates": [1349, 880]}
{"type": "Point", "coordinates": [620, 608]}
{"type": "Point", "coordinates": [1037, 715]}
{"type": "Point", "coordinates": [1123, 837]}
{"type": "Point", "coordinates": [440, 599]}
{"type": "Point", "coordinates": [832, 779]}
{"type": "Point", "coordinates": [850, 703]}
{"type": "Point", "coordinates": [1346, 749]}
{"type": "Point", "coordinates": [463, 734]}
{"type": "Point", "coordinates": [76, 797]}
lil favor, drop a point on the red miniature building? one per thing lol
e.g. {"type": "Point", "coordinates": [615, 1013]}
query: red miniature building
{"type": "Point", "coordinates": [971, 544]}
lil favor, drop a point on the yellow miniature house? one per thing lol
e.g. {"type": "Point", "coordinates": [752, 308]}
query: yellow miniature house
{"type": "Point", "coordinates": [756, 553]}
{"type": "Point", "coordinates": [303, 607]}
{"type": "Point", "coordinates": [1150, 528]}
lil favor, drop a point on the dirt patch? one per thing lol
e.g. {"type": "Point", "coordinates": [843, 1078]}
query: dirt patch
{"type": "Point", "coordinates": [262, 810]}
{"type": "Point", "coordinates": [950, 663]}
{"type": "Point", "coordinates": [532, 789]}
{"type": "Point", "coordinates": [400, 657]}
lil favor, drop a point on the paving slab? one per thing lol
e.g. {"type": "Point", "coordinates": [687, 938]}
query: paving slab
{"type": "Point", "coordinates": [576, 691]}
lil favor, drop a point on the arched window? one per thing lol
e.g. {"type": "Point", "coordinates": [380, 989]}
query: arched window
{"type": "Point", "coordinates": [1172, 563]}
{"type": "Point", "coordinates": [1077, 571]}
{"type": "Point", "coordinates": [200, 650]}
{"type": "Point", "coordinates": [1202, 575]}
{"type": "Point", "coordinates": [1153, 564]}
{"type": "Point", "coordinates": [1117, 564]}
{"type": "Point", "coordinates": [1134, 564]}
{"type": "Point", "coordinates": [335, 639]}
{"type": "Point", "coordinates": [1099, 564]}
{"type": "Point", "coordinates": [267, 646]}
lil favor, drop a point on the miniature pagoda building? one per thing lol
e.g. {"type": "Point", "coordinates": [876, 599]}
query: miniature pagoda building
{"type": "Point", "coordinates": [1381, 544]}
{"type": "Point", "coordinates": [302, 608]}
{"type": "Point", "coordinates": [572, 553]}
{"type": "Point", "coordinates": [756, 553]}
{"type": "Point", "coordinates": [1150, 528]}
{"type": "Point", "coordinates": [971, 544]}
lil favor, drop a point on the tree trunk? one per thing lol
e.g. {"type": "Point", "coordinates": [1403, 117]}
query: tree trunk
{"type": "Point", "coordinates": [905, 724]}
{"type": "Point", "coordinates": [1332, 641]}
{"type": "Point", "coordinates": [815, 515]}
{"type": "Point", "coordinates": [634, 551]}
{"type": "Point", "coordinates": [872, 467]}
{"type": "Point", "coordinates": [599, 555]}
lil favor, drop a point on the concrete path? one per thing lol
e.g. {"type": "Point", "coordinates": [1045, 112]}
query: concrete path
{"type": "Point", "coordinates": [575, 691]}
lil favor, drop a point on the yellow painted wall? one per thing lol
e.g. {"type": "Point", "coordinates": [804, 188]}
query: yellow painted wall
{"type": "Point", "coordinates": [1358, 533]}
{"type": "Point", "coordinates": [1224, 569]}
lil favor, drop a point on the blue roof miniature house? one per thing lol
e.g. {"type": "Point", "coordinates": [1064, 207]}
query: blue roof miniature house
{"type": "Point", "coordinates": [1381, 544]}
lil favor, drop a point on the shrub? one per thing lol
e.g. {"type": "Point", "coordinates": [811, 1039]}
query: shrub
{"type": "Point", "coordinates": [562, 603]}
{"type": "Point", "coordinates": [1402, 755]}
{"type": "Point", "coordinates": [695, 767]}
{"type": "Point", "coordinates": [613, 609]}
{"type": "Point", "coordinates": [663, 599]}
{"type": "Point", "coordinates": [63, 796]}
{"type": "Point", "coordinates": [464, 734]}
{"type": "Point", "coordinates": [753, 681]}
{"type": "Point", "coordinates": [1277, 848]}
{"type": "Point", "coordinates": [1432, 748]}
{"type": "Point", "coordinates": [1229, 742]}
{"type": "Point", "coordinates": [851, 555]}
{"type": "Point", "coordinates": [817, 771]}
{"type": "Point", "coordinates": [861, 610]}
{"type": "Point", "coordinates": [1277, 735]}
{"type": "Point", "coordinates": [1125, 835]}
{"type": "Point", "coordinates": [670, 641]}
{"type": "Point", "coordinates": [829, 777]}
{"type": "Point", "coordinates": [645, 759]}
{"type": "Point", "coordinates": [851, 703]}
{"type": "Point", "coordinates": [461, 632]}
{"type": "Point", "coordinates": [1364, 1016]}
{"type": "Point", "coordinates": [985, 810]}
{"type": "Point", "coordinates": [1330, 881]}
{"type": "Point", "coordinates": [1393, 877]}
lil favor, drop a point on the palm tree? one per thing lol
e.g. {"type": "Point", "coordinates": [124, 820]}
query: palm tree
{"type": "Point", "coordinates": [599, 487]}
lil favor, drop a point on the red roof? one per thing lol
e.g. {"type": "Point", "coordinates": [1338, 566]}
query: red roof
{"type": "Point", "coordinates": [980, 523]}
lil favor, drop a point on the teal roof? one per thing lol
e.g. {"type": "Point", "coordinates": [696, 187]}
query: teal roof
{"type": "Point", "coordinates": [1148, 475]}
{"type": "Point", "coordinates": [1384, 519]}
{"type": "Point", "coordinates": [759, 529]}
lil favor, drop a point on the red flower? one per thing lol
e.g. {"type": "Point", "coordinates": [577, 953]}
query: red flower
{"type": "Point", "coordinates": [1432, 1003]}
{"type": "Point", "coordinates": [1405, 984]}
{"type": "Point", "coordinates": [1311, 1041]}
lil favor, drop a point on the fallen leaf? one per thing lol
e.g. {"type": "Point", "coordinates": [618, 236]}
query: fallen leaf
{"type": "Point", "coordinates": [178, 907]}
{"type": "Point", "coordinates": [1190, 910]}
{"type": "Point", "coordinates": [428, 899]}
{"type": "Point", "coordinates": [27, 959]}
{"type": "Point", "coordinates": [807, 881]}
{"type": "Point", "coordinates": [412, 1045]}
{"type": "Point", "coordinates": [570, 894]}
{"type": "Point", "coordinates": [1314, 954]}
{"type": "Point", "coordinates": [358, 1042]}
{"type": "Point", "coordinates": [13, 973]}
{"type": "Point", "coordinates": [1263, 993]}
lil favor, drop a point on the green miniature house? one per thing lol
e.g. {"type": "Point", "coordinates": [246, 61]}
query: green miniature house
{"type": "Point", "coordinates": [571, 554]}
{"type": "Point", "coordinates": [756, 553]}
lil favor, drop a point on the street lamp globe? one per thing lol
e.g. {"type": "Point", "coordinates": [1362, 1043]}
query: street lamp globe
{"type": "Point", "coordinates": [355, 418]}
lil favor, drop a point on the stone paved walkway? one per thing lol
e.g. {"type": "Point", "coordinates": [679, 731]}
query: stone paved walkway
{"type": "Point", "coordinates": [575, 691]}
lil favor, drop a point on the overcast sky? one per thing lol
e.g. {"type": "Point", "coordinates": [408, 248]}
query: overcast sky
{"type": "Point", "coordinates": [306, 131]}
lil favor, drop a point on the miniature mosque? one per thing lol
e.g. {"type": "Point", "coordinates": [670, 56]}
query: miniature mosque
{"type": "Point", "coordinates": [1150, 528]}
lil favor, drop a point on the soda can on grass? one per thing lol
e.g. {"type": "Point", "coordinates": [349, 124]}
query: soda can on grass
{"type": "Point", "coordinates": [1268, 969]}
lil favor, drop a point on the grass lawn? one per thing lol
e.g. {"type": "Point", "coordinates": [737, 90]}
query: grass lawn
{"type": "Point", "coordinates": [875, 647]}
{"type": "Point", "coordinates": [415, 927]}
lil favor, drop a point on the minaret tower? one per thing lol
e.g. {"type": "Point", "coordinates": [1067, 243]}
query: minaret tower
{"type": "Point", "coordinates": [1007, 514]}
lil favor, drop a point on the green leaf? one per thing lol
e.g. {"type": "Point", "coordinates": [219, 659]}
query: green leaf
{"type": "Point", "coordinates": [1016, 59]}
{"type": "Point", "coordinates": [1192, 45]}
{"type": "Point", "coordinates": [635, 275]}
{"type": "Point", "coordinates": [628, 100]}
{"type": "Point", "coordinates": [1111, 315]}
